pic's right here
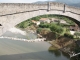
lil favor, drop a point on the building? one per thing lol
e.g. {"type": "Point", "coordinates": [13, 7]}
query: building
{"type": "Point", "coordinates": [58, 20]}
{"type": "Point", "coordinates": [36, 22]}
{"type": "Point", "coordinates": [54, 20]}
{"type": "Point", "coordinates": [45, 20]}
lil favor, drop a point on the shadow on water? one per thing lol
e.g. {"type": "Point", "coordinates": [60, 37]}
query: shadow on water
{"type": "Point", "coordinates": [54, 51]}
{"type": "Point", "coordinates": [24, 56]}
{"type": "Point", "coordinates": [57, 52]}
{"type": "Point", "coordinates": [66, 55]}
{"type": "Point", "coordinates": [75, 58]}
{"type": "Point", "coordinates": [30, 56]}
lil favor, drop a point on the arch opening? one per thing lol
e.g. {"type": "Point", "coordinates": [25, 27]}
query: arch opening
{"type": "Point", "coordinates": [61, 17]}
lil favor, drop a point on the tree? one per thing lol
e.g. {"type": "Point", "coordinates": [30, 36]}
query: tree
{"type": "Point", "coordinates": [57, 29]}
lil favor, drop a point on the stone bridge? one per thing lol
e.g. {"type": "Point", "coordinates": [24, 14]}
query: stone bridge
{"type": "Point", "coordinates": [13, 13]}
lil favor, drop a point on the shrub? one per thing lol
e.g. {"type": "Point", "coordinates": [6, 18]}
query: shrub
{"type": "Point", "coordinates": [44, 25]}
{"type": "Point", "coordinates": [39, 30]}
{"type": "Point", "coordinates": [68, 35]}
{"type": "Point", "coordinates": [56, 28]}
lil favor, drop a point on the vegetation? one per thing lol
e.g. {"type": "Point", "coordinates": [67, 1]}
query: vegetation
{"type": "Point", "coordinates": [68, 35]}
{"type": "Point", "coordinates": [44, 25]}
{"type": "Point", "coordinates": [28, 22]}
{"type": "Point", "coordinates": [60, 17]}
{"type": "Point", "coordinates": [25, 24]}
{"type": "Point", "coordinates": [39, 30]}
{"type": "Point", "coordinates": [57, 29]}
{"type": "Point", "coordinates": [77, 34]}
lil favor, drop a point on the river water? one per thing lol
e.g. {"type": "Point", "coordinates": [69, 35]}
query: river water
{"type": "Point", "coordinates": [21, 50]}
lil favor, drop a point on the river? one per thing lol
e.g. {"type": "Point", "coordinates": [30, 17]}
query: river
{"type": "Point", "coordinates": [21, 50]}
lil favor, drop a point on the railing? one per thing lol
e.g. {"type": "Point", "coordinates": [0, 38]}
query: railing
{"type": "Point", "coordinates": [38, 10]}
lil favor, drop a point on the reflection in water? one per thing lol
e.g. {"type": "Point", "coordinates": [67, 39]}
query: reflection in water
{"type": "Point", "coordinates": [66, 55]}
{"type": "Point", "coordinates": [58, 53]}
{"type": "Point", "coordinates": [54, 51]}
{"type": "Point", "coordinates": [75, 58]}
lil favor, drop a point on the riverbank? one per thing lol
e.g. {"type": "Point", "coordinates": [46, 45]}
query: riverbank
{"type": "Point", "coordinates": [54, 43]}
{"type": "Point", "coordinates": [61, 43]}
{"type": "Point", "coordinates": [64, 44]}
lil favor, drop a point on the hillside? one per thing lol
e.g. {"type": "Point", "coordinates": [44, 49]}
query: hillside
{"type": "Point", "coordinates": [76, 5]}
{"type": "Point", "coordinates": [68, 2]}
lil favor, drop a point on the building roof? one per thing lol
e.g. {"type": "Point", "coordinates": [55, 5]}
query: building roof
{"type": "Point", "coordinates": [54, 19]}
{"type": "Point", "coordinates": [44, 19]}
{"type": "Point", "coordinates": [33, 21]}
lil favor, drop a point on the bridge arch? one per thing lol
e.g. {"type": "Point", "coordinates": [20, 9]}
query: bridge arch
{"type": "Point", "coordinates": [16, 13]}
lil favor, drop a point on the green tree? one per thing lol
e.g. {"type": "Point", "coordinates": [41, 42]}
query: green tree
{"type": "Point", "coordinates": [44, 25]}
{"type": "Point", "coordinates": [57, 29]}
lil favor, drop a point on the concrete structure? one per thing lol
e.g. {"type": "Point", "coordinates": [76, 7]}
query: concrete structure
{"type": "Point", "coordinates": [14, 13]}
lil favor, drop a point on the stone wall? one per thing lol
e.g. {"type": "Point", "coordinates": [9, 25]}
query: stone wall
{"type": "Point", "coordinates": [10, 8]}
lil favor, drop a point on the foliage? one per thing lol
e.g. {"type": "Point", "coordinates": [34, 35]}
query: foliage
{"type": "Point", "coordinates": [44, 25]}
{"type": "Point", "coordinates": [53, 27]}
{"type": "Point", "coordinates": [67, 19]}
{"type": "Point", "coordinates": [25, 24]}
{"type": "Point", "coordinates": [36, 18]}
{"type": "Point", "coordinates": [56, 28]}
{"type": "Point", "coordinates": [68, 35]}
{"type": "Point", "coordinates": [77, 34]}
{"type": "Point", "coordinates": [43, 30]}
{"type": "Point", "coordinates": [39, 30]}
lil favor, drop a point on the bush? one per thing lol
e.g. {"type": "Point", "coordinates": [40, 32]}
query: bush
{"type": "Point", "coordinates": [44, 25]}
{"type": "Point", "coordinates": [39, 30]}
{"type": "Point", "coordinates": [56, 28]}
{"type": "Point", "coordinates": [68, 35]}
